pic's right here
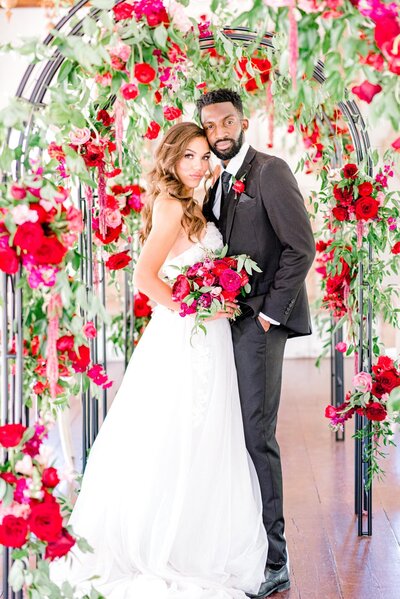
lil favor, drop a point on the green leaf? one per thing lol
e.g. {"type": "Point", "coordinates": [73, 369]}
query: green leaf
{"type": "Point", "coordinates": [16, 576]}
{"type": "Point", "coordinates": [104, 4]}
{"type": "Point", "coordinates": [160, 36]}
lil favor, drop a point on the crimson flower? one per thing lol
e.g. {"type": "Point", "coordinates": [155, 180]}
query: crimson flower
{"type": "Point", "coordinates": [366, 91]}
{"type": "Point", "coordinates": [123, 11]}
{"type": "Point", "coordinates": [396, 248]}
{"type": "Point", "coordinates": [375, 411]}
{"type": "Point", "coordinates": [81, 359]}
{"type": "Point", "coordinates": [129, 91]}
{"type": "Point", "coordinates": [61, 546]}
{"type": "Point", "coordinates": [141, 305]}
{"type": "Point", "coordinates": [396, 144]}
{"type": "Point", "coordinates": [93, 155]}
{"type": "Point", "coordinates": [350, 171]}
{"type": "Point", "coordinates": [29, 236]}
{"type": "Point", "coordinates": [104, 118]}
{"type": "Point", "coordinates": [365, 189]}
{"type": "Point", "coordinates": [144, 72]}
{"type": "Point", "coordinates": [366, 208]}
{"type": "Point", "coordinates": [45, 521]}
{"type": "Point", "coordinates": [230, 280]}
{"type": "Point", "coordinates": [50, 477]}
{"type": "Point", "coordinates": [111, 234]}
{"type": "Point", "coordinates": [340, 213]}
{"type": "Point", "coordinates": [65, 343]}
{"type": "Point", "coordinates": [238, 186]}
{"type": "Point", "coordinates": [171, 112]}
{"type": "Point", "coordinates": [180, 289]}
{"type": "Point", "coordinates": [51, 251]}
{"type": "Point", "coordinates": [9, 262]}
{"type": "Point", "coordinates": [118, 261]}
{"type": "Point", "coordinates": [13, 531]}
{"type": "Point", "coordinates": [11, 434]}
{"type": "Point", "coordinates": [152, 131]}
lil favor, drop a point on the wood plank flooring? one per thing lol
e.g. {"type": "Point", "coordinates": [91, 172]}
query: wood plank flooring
{"type": "Point", "coordinates": [328, 560]}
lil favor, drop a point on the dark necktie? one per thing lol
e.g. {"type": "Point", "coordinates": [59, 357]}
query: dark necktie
{"type": "Point", "coordinates": [225, 181]}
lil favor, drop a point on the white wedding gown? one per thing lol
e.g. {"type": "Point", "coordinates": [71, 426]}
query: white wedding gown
{"type": "Point", "coordinates": [170, 500]}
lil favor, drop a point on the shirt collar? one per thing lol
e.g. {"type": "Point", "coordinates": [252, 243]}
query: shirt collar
{"type": "Point", "coordinates": [236, 162]}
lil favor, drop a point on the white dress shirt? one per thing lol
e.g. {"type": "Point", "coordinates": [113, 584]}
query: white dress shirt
{"type": "Point", "coordinates": [232, 168]}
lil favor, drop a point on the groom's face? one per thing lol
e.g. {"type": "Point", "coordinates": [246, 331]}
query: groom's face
{"type": "Point", "coordinates": [224, 127]}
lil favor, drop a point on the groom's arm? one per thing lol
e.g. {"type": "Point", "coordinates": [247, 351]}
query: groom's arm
{"type": "Point", "coordinates": [288, 216]}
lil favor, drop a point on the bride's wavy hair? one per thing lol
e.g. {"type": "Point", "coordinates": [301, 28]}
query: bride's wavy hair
{"type": "Point", "coordinates": [163, 178]}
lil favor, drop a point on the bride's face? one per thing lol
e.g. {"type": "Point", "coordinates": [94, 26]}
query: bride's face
{"type": "Point", "coordinates": [194, 164]}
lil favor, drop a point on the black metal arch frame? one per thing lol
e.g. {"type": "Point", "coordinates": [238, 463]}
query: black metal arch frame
{"type": "Point", "coordinates": [39, 77]}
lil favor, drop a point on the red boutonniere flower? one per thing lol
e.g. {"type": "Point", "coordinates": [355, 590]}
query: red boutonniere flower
{"type": "Point", "coordinates": [238, 187]}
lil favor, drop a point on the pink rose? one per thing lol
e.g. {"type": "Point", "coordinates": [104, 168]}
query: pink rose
{"type": "Point", "coordinates": [230, 280]}
{"type": "Point", "coordinates": [17, 192]}
{"type": "Point", "coordinates": [79, 136]}
{"type": "Point", "coordinates": [113, 217]}
{"type": "Point", "coordinates": [75, 221]}
{"type": "Point", "coordinates": [89, 330]}
{"type": "Point", "coordinates": [362, 382]}
{"type": "Point", "coordinates": [341, 347]}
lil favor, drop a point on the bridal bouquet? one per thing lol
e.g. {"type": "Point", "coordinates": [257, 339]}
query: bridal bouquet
{"type": "Point", "coordinates": [204, 288]}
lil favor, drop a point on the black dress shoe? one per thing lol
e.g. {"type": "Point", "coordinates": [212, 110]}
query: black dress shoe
{"type": "Point", "coordinates": [276, 581]}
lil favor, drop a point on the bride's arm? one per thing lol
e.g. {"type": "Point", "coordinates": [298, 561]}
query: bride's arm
{"type": "Point", "coordinates": [166, 226]}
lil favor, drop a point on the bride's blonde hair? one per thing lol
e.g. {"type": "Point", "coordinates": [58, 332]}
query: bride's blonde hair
{"type": "Point", "coordinates": [163, 179]}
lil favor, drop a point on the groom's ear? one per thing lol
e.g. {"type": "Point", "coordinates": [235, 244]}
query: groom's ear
{"type": "Point", "coordinates": [245, 124]}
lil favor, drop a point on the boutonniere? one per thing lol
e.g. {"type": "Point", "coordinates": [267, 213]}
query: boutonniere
{"type": "Point", "coordinates": [238, 185]}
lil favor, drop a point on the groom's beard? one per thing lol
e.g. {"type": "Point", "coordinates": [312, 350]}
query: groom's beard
{"type": "Point", "coordinates": [232, 151]}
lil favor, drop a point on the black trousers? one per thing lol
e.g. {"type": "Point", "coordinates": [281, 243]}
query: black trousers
{"type": "Point", "coordinates": [259, 358]}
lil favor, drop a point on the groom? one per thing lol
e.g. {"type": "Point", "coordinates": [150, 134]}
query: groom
{"type": "Point", "coordinates": [264, 217]}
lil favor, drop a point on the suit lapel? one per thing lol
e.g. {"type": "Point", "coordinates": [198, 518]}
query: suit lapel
{"type": "Point", "coordinates": [209, 205]}
{"type": "Point", "coordinates": [233, 197]}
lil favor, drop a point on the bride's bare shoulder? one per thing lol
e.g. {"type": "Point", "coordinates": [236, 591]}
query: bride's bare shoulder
{"type": "Point", "coordinates": [166, 206]}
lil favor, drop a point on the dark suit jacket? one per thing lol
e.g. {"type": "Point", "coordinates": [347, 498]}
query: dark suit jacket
{"type": "Point", "coordinates": [269, 222]}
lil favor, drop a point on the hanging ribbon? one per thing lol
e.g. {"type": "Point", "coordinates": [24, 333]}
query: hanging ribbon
{"type": "Point", "coordinates": [270, 109]}
{"type": "Point", "coordinates": [89, 197]}
{"type": "Point", "coordinates": [293, 43]}
{"type": "Point", "coordinates": [119, 113]}
{"type": "Point", "coordinates": [54, 311]}
{"type": "Point", "coordinates": [102, 196]}
{"type": "Point", "coordinates": [360, 233]}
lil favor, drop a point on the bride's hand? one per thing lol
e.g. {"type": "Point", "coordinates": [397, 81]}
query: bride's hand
{"type": "Point", "coordinates": [228, 312]}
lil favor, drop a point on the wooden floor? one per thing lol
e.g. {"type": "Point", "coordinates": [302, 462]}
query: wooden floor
{"type": "Point", "coordinates": [327, 558]}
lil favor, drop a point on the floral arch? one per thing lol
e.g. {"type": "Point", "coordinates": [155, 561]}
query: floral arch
{"type": "Point", "coordinates": [100, 88]}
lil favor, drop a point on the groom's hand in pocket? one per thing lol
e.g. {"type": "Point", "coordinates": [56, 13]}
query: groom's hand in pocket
{"type": "Point", "coordinates": [264, 323]}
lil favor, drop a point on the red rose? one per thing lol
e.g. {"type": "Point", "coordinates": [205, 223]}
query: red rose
{"type": "Point", "coordinates": [180, 289]}
{"type": "Point", "coordinates": [321, 246]}
{"type": "Point", "coordinates": [50, 477]}
{"type": "Point", "coordinates": [93, 155]}
{"type": "Point", "coordinates": [118, 261]}
{"type": "Point", "coordinates": [229, 296]}
{"type": "Point", "coordinates": [340, 213]}
{"type": "Point", "coordinates": [51, 251]}
{"type": "Point", "coordinates": [60, 546]}
{"type": "Point", "coordinates": [244, 277]}
{"type": "Point", "coordinates": [153, 130]}
{"type": "Point", "coordinates": [104, 118]}
{"type": "Point", "coordinates": [375, 411]}
{"type": "Point", "coordinates": [366, 91]}
{"type": "Point", "coordinates": [11, 434]}
{"type": "Point", "coordinates": [9, 262]}
{"type": "Point", "coordinates": [65, 343]}
{"type": "Point", "coordinates": [350, 171]}
{"type": "Point", "coordinates": [366, 208]}
{"type": "Point", "coordinates": [9, 477]}
{"type": "Point", "coordinates": [383, 363]}
{"type": "Point", "coordinates": [141, 305]}
{"type": "Point", "coordinates": [238, 186]}
{"type": "Point", "coordinates": [111, 234]}
{"type": "Point", "coordinates": [81, 359]}
{"type": "Point", "coordinates": [123, 11]}
{"type": "Point", "coordinates": [230, 280]}
{"type": "Point", "coordinates": [29, 236]}
{"type": "Point", "coordinates": [129, 91]}
{"type": "Point", "coordinates": [396, 248]}
{"type": "Point", "coordinates": [45, 521]}
{"type": "Point", "coordinates": [344, 195]}
{"type": "Point", "coordinates": [13, 531]}
{"type": "Point", "coordinates": [171, 112]}
{"type": "Point", "coordinates": [39, 387]}
{"type": "Point", "coordinates": [385, 382]}
{"type": "Point", "coordinates": [330, 411]}
{"type": "Point", "coordinates": [144, 72]}
{"type": "Point", "coordinates": [43, 216]}
{"type": "Point", "coordinates": [365, 189]}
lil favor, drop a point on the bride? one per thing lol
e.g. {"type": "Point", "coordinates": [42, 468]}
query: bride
{"type": "Point", "coordinates": [170, 500]}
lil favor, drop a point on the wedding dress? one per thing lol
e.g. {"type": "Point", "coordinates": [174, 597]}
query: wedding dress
{"type": "Point", "coordinates": [170, 500]}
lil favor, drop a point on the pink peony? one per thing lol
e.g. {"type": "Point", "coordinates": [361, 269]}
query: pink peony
{"type": "Point", "coordinates": [230, 280]}
{"type": "Point", "coordinates": [341, 347]}
{"type": "Point", "coordinates": [17, 192]}
{"type": "Point", "coordinates": [89, 330]}
{"type": "Point", "coordinates": [180, 289]}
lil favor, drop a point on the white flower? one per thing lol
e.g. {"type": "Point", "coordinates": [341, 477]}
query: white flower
{"type": "Point", "coordinates": [25, 466]}
{"type": "Point", "coordinates": [23, 214]}
{"type": "Point", "coordinates": [179, 17]}
{"type": "Point", "coordinates": [79, 136]}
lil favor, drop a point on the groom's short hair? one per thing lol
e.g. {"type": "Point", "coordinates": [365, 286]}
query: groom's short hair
{"type": "Point", "coordinates": [217, 96]}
